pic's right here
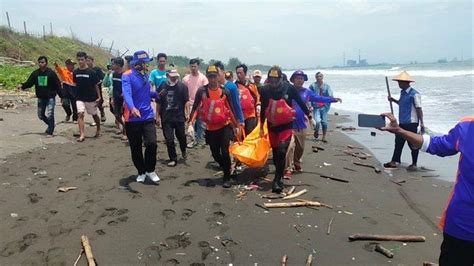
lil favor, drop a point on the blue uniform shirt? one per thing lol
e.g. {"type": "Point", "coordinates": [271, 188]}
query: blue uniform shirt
{"type": "Point", "coordinates": [410, 99]}
{"type": "Point", "coordinates": [307, 96]}
{"type": "Point", "coordinates": [137, 93]}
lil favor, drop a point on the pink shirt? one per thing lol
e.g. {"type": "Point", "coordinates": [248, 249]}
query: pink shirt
{"type": "Point", "coordinates": [194, 83]}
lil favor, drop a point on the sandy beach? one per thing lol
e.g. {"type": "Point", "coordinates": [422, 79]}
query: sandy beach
{"type": "Point", "coordinates": [189, 219]}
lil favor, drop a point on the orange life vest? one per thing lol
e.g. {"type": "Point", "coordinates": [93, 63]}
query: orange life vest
{"type": "Point", "coordinates": [214, 112]}
{"type": "Point", "coordinates": [279, 112]}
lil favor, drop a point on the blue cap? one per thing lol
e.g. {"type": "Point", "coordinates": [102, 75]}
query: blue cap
{"type": "Point", "coordinates": [140, 57]}
{"type": "Point", "coordinates": [299, 73]}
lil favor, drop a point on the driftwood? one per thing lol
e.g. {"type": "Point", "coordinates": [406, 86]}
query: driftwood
{"type": "Point", "coordinates": [79, 257]}
{"type": "Point", "coordinates": [290, 191]}
{"type": "Point", "coordinates": [335, 178]}
{"type": "Point", "coordinates": [355, 154]}
{"type": "Point", "coordinates": [295, 195]}
{"type": "Point", "coordinates": [429, 263]}
{"type": "Point", "coordinates": [376, 169]}
{"type": "Point", "coordinates": [88, 251]}
{"type": "Point", "coordinates": [322, 204]}
{"type": "Point", "coordinates": [309, 260]}
{"type": "Point", "coordinates": [65, 189]}
{"type": "Point", "coordinates": [260, 206]}
{"type": "Point", "coordinates": [329, 226]}
{"type": "Point", "coordinates": [273, 196]}
{"type": "Point", "coordinates": [386, 252]}
{"type": "Point", "coordinates": [293, 204]}
{"type": "Point", "coordinates": [284, 260]}
{"type": "Point", "coordinates": [402, 238]}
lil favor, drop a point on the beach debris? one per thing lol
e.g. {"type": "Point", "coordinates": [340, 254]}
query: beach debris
{"type": "Point", "coordinates": [398, 181]}
{"type": "Point", "coordinates": [354, 147]}
{"type": "Point", "coordinates": [424, 169]}
{"type": "Point", "coordinates": [430, 175]}
{"type": "Point", "coordinates": [348, 213]}
{"type": "Point", "coordinates": [292, 204]}
{"type": "Point", "coordinates": [376, 169]}
{"type": "Point", "coordinates": [296, 228]}
{"type": "Point", "coordinates": [329, 225]}
{"type": "Point", "coordinates": [429, 263]}
{"type": "Point", "coordinates": [219, 173]}
{"type": "Point", "coordinates": [41, 172]}
{"type": "Point", "coordinates": [402, 238]}
{"type": "Point", "coordinates": [374, 246]}
{"type": "Point", "coordinates": [349, 169]}
{"type": "Point", "coordinates": [315, 150]}
{"type": "Point", "coordinates": [290, 190]}
{"type": "Point", "coordinates": [327, 164]}
{"type": "Point", "coordinates": [295, 195]}
{"type": "Point", "coordinates": [261, 206]}
{"type": "Point", "coordinates": [241, 195]}
{"type": "Point", "coordinates": [318, 148]}
{"type": "Point", "coordinates": [284, 260]}
{"type": "Point", "coordinates": [88, 250]}
{"type": "Point", "coordinates": [251, 186]}
{"type": "Point", "coordinates": [79, 257]}
{"type": "Point", "coordinates": [360, 155]}
{"type": "Point", "coordinates": [335, 178]}
{"type": "Point", "coordinates": [14, 215]}
{"type": "Point", "coordinates": [309, 260]}
{"type": "Point", "coordinates": [65, 189]}
{"type": "Point", "coordinates": [273, 196]}
{"type": "Point", "coordinates": [350, 128]}
{"type": "Point", "coordinates": [373, 133]}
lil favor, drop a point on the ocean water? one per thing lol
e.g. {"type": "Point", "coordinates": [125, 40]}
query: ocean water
{"type": "Point", "coordinates": [447, 90]}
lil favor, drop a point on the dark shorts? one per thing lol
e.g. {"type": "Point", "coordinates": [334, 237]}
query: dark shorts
{"type": "Point", "coordinates": [456, 252]}
{"type": "Point", "coordinates": [118, 106]}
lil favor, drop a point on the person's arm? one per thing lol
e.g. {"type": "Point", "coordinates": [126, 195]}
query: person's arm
{"type": "Point", "coordinates": [61, 71]}
{"type": "Point", "coordinates": [30, 81]}
{"type": "Point", "coordinates": [313, 97]}
{"type": "Point", "coordinates": [236, 102]}
{"type": "Point", "coordinates": [127, 92]}
{"type": "Point", "coordinates": [151, 78]}
{"type": "Point", "coordinates": [391, 99]}
{"type": "Point", "coordinates": [263, 105]}
{"type": "Point", "coordinates": [293, 95]}
{"type": "Point", "coordinates": [445, 145]}
{"type": "Point", "coordinates": [185, 100]}
{"type": "Point", "coordinates": [197, 103]}
{"type": "Point", "coordinates": [56, 81]}
{"type": "Point", "coordinates": [419, 111]}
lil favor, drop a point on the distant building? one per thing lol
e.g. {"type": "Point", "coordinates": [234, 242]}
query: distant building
{"type": "Point", "coordinates": [354, 63]}
{"type": "Point", "coordinates": [351, 63]}
{"type": "Point", "coordinates": [363, 62]}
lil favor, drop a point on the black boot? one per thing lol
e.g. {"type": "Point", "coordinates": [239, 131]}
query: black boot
{"type": "Point", "coordinates": [278, 185]}
{"type": "Point", "coordinates": [226, 182]}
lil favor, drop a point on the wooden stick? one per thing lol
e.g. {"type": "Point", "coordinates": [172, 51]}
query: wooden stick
{"type": "Point", "coordinates": [260, 206]}
{"type": "Point", "coordinates": [335, 178]}
{"type": "Point", "coordinates": [284, 260]}
{"type": "Point", "coordinates": [309, 261]}
{"type": "Point", "coordinates": [379, 248]}
{"type": "Point", "coordinates": [329, 226]}
{"type": "Point", "coordinates": [349, 169]}
{"type": "Point", "coordinates": [402, 238]}
{"type": "Point", "coordinates": [79, 257]}
{"type": "Point", "coordinates": [272, 196]}
{"type": "Point", "coordinates": [295, 195]}
{"type": "Point", "coordinates": [322, 204]}
{"type": "Point", "coordinates": [88, 250]}
{"type": "Point", "coordinates": [377, 170]}
{"type": "Point", "coordinates": [429, 263]}
{"type": "Point", "coordinates": [291, 190]}
{"type": "Point", "coordinates": [292, 204]}
{"type": "Point", "coordinates": [389, 95]}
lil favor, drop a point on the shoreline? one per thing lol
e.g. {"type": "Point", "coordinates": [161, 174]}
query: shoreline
{"type": "Point", "coordinates": [189, 218]}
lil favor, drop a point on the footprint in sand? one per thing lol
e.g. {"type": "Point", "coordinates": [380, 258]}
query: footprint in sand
{"type": "Point", "coordinates": [37, 258]}
{"type": "Point", "coordinates": [172, 198]}
{"type": "Point", "coordinates": [187, 198]}
{"type": "Point", "coordinates": [186, 214]}
{"type": "Point", "coordinates": [56, 256]}
{"type": "Point", "coordinates": [168, 214]}
{"type": "Point", "coordinates": [56, 228]}
{"type": "Point", "coordinates": [151, 255]}
{"type": "Point", "coordinates": [111, 212]}
{"type": "Point", "coordinates": [34, 198]}
{"type": "Point", "coordinates": [121, 219]}
{"type": "Point", "coordinates": [205, 249]}
{"type": "Point", "coordinates": [171, 262]}
{"type": "Point", "coordinates": [177, 241]}
{"type": "Point", "coordinates": [18, 246]}
{"type": "Point", "coordinates": [370, 220]}
{"type": "Point", "coordinates": [100, 232]}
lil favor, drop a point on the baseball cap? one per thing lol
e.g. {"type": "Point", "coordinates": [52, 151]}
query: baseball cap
{"type": "Point", "coordinates": [69, 62]}
{"type": "Point", "coordinates": [173, 73]}
{"type": "Point", "coordinates": [211, 70]}
{"type": "Point", "coordinates": [257, 73]}
{"type": "Point", "coordinates": [140, 57]}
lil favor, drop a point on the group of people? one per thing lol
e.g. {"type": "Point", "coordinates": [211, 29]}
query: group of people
{"type": "Point", "coordinates": [218, 110]}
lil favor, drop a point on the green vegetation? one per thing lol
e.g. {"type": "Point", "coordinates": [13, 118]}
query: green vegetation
{"type": "Point", "coordinates": [11, 76]}
{"type": "Point", "coordinates": [27, 47]}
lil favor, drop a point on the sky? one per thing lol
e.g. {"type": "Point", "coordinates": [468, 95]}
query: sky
{"type": "Point", "coordinates": [293, 34]}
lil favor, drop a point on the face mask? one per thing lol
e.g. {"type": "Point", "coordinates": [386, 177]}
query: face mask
{"type": "Point", "coordinates": [172, 83]}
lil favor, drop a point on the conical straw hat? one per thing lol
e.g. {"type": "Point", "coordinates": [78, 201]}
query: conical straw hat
{"type": "Point", "coordinates": [404, 76]}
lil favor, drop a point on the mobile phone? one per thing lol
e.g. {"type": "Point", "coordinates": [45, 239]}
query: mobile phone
{"type": "Point", "coordinates": [375, 121]}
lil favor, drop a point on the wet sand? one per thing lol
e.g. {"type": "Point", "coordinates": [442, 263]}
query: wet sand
{"type": "Point", "coordinates": [189, 218]}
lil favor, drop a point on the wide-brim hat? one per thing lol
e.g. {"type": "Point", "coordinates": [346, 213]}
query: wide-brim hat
{"type": "Point", "coordinates": [173, 73]}
{"type": "Point", "coordinates": [299, 73]}
{"type": "Point", "coordinates": [404, 76]}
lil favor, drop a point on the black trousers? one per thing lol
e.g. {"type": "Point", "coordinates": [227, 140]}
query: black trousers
{"type": "Point", "coordinates": [456, 252]}
{"type": "Point", "coordinates": [219, 142]}
{"type": "Point", "coordinates": [68, 101]}
{"type": "Point", "coordinates": [138, 133]}
{"type": "Point", "coordinates": [279, 158]}
{"type": "Point", "coordinates": [400, 142]}
{"type": "Point", "coordinates": [250, 124]}
{"type": "Point", "coordinates": [169, 130]}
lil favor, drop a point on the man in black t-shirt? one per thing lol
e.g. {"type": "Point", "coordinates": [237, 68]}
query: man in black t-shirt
{"type": "Point", "coordinates": [117, 97]}
{"type": "Point", "coordinates": [170, 107]}
{"type": "Point", "coordinates": [100, 75]}
{"type": "Point", "coordinates": [46, 84]}
{"type": "Point", "coordinates": [88, 95]}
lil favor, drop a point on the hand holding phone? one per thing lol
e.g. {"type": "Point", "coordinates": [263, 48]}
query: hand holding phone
{"type": "Point", "coordinates": [375, 121]}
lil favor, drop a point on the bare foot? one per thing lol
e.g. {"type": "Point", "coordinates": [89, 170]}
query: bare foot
{"type": "Point", "coordinates": [97, 134]}
{"type": "Point", "coordinates": [81, 139]}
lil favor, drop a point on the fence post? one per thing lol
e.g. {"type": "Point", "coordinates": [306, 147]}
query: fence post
{"type": "Point", "coordinates": [24, 27]}
{"type": "Point", "coordinates": [8, 19]}
{"type": "Point", "coordinates": [51, 28]}
{"type": "Point", "coordinates": [112, 45]}
{"type": "Point", "coordinates": [44, 32]}
{"type": "Point", "coordinates": [100, 42]}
